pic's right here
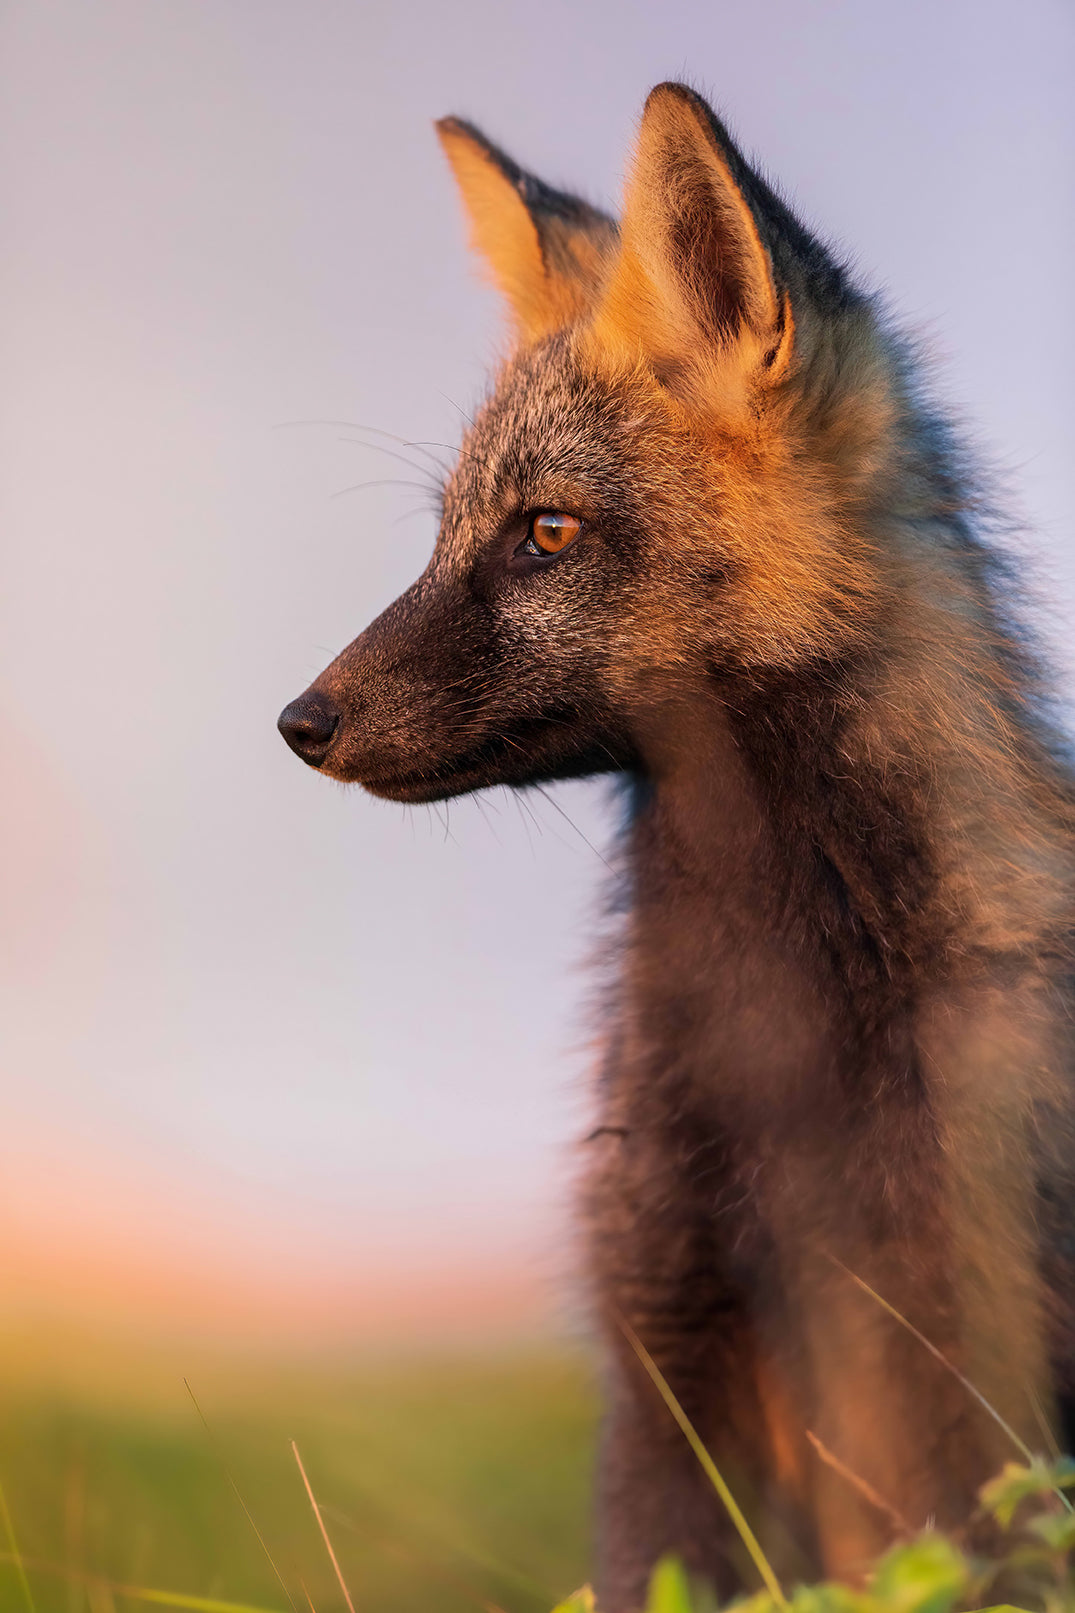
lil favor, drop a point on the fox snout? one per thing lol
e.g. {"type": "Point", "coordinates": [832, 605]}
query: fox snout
{"type": "Point", "coordinates": [375, 716]}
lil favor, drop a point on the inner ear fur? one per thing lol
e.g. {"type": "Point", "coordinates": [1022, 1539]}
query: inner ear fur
{"type": "Point", "coordinates": [548, 252]}
{"type": "Point", "coordinates": [695, 275]}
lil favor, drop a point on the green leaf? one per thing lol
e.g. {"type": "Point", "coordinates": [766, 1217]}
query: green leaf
{"type": "Point", "coordinates": [669, 1588]}
{"type": "Point", "coordinates": [1017, 1483]}
{"type": "Point", "coordinates": [760, 1602]}
{"type": "Point", "coordinates": [1038, 1559]}
{"type": "Point", "coordinates": [829, 1599]}
{"type": "Point", "coordinates": [927, 1576]}
{"type": "Point", "coordinates": [1003, 1607]}
{"type": "Point", "coordinates": [1057, 1529]}
{"type": "Point", "coordinates": [580, 1601]}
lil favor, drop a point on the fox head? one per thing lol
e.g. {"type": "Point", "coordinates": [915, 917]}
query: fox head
{"type": "Point", "coordinates": [662, 495]}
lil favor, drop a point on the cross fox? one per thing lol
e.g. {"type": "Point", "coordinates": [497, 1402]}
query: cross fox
{"type": "Point", "coordinates": [707, 533]}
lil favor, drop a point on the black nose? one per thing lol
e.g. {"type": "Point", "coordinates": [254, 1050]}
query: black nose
{"type": "Point", "coordinates": [308, 725]}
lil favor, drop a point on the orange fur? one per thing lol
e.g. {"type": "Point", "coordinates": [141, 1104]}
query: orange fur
{"type": "Point", "coordinates": [546, 278]}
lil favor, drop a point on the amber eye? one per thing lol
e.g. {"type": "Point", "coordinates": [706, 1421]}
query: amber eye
{"type": "Point", "coordinates": [551, 532]}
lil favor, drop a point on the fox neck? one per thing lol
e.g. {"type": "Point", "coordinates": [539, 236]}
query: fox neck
{"type": "Point", "coordinates": [783, 912]}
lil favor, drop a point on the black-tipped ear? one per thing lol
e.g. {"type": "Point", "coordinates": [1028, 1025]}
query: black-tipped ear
{"type": "Point", "coordinates": [548, 251]}
{"type": "Point", "coordinates": [696, 273]}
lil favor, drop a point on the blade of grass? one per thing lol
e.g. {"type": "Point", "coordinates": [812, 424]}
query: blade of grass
{"type": "Point", "coordinates": [194, 1604]}
{"type": "Point", "coordinates": [450, 1540]}
{"type": "Point", "coordinates": [865, 1489]}
{"type": "Point", "coordinates": [100, 1598]}
{"type": "Point", "coordinates": [938, 1355]}
{"type": "Point", "coordinates": [143, 1593]}
{"type": "Point", "coordinates": [1039, 1417]}
{"type": "Point", "coordinates": [709, 1467]}
{"type": "Point", "coordinates": [249, 1515]}
{"type": "Point", "coordinates": [324, 1531]}
{"type": "Point", "coordinates": [74, 1510]}
{"type": "Point", "coordinates": [398, 1552]}
{"type": "Point", "coordinates": [16, 1556]}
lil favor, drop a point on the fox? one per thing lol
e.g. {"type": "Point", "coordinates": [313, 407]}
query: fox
{"type": "Point", "coordinates": [708, 534]}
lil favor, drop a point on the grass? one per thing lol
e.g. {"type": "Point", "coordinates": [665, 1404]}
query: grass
{"type": "Point", "coordinates": [436, 1485]}
{"type": "Point", "coordinates": [446, 1485]}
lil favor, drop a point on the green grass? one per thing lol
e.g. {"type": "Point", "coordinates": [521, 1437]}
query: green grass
{"type": "Point", "coordinates": [443, 1485]}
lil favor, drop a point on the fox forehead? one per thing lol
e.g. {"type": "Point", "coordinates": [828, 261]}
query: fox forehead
{"type": "Point", "coordinates": [552, 433]}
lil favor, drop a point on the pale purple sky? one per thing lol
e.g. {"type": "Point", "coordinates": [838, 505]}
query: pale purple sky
{"type": "Point", "coordinates": [254, 1006]}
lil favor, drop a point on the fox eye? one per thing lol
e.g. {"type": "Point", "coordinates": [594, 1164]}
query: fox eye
{"type": "Point", "coordinates": [550, 532]}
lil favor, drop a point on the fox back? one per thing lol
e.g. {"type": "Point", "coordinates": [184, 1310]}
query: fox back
{"type": "Point", "coordinates": [707, 534]}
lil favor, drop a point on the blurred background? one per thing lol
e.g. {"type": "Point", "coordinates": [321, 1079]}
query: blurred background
{"type": "Point", "coordinates": [293, 1078]}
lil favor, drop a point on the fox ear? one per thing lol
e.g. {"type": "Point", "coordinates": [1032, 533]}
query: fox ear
{"type": "Point", "coordinates": [695, 272]}
{"type": "Point", "coordinates": [548, 251]}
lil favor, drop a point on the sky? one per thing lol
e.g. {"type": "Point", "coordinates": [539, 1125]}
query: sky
{"type": "Point", "coordinates": [253, 1023]}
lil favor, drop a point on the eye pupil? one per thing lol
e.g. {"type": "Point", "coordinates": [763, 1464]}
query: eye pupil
{"type": "Point", "coordinates": [551, 532]}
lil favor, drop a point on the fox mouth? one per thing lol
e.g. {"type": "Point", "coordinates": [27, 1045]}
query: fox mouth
{"type": "Point", "coordinates": [487, 763]}
{"type": "Point", "coordinates": [537, 753]}
{"type": "Point", "coordinates": [471, 771]}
